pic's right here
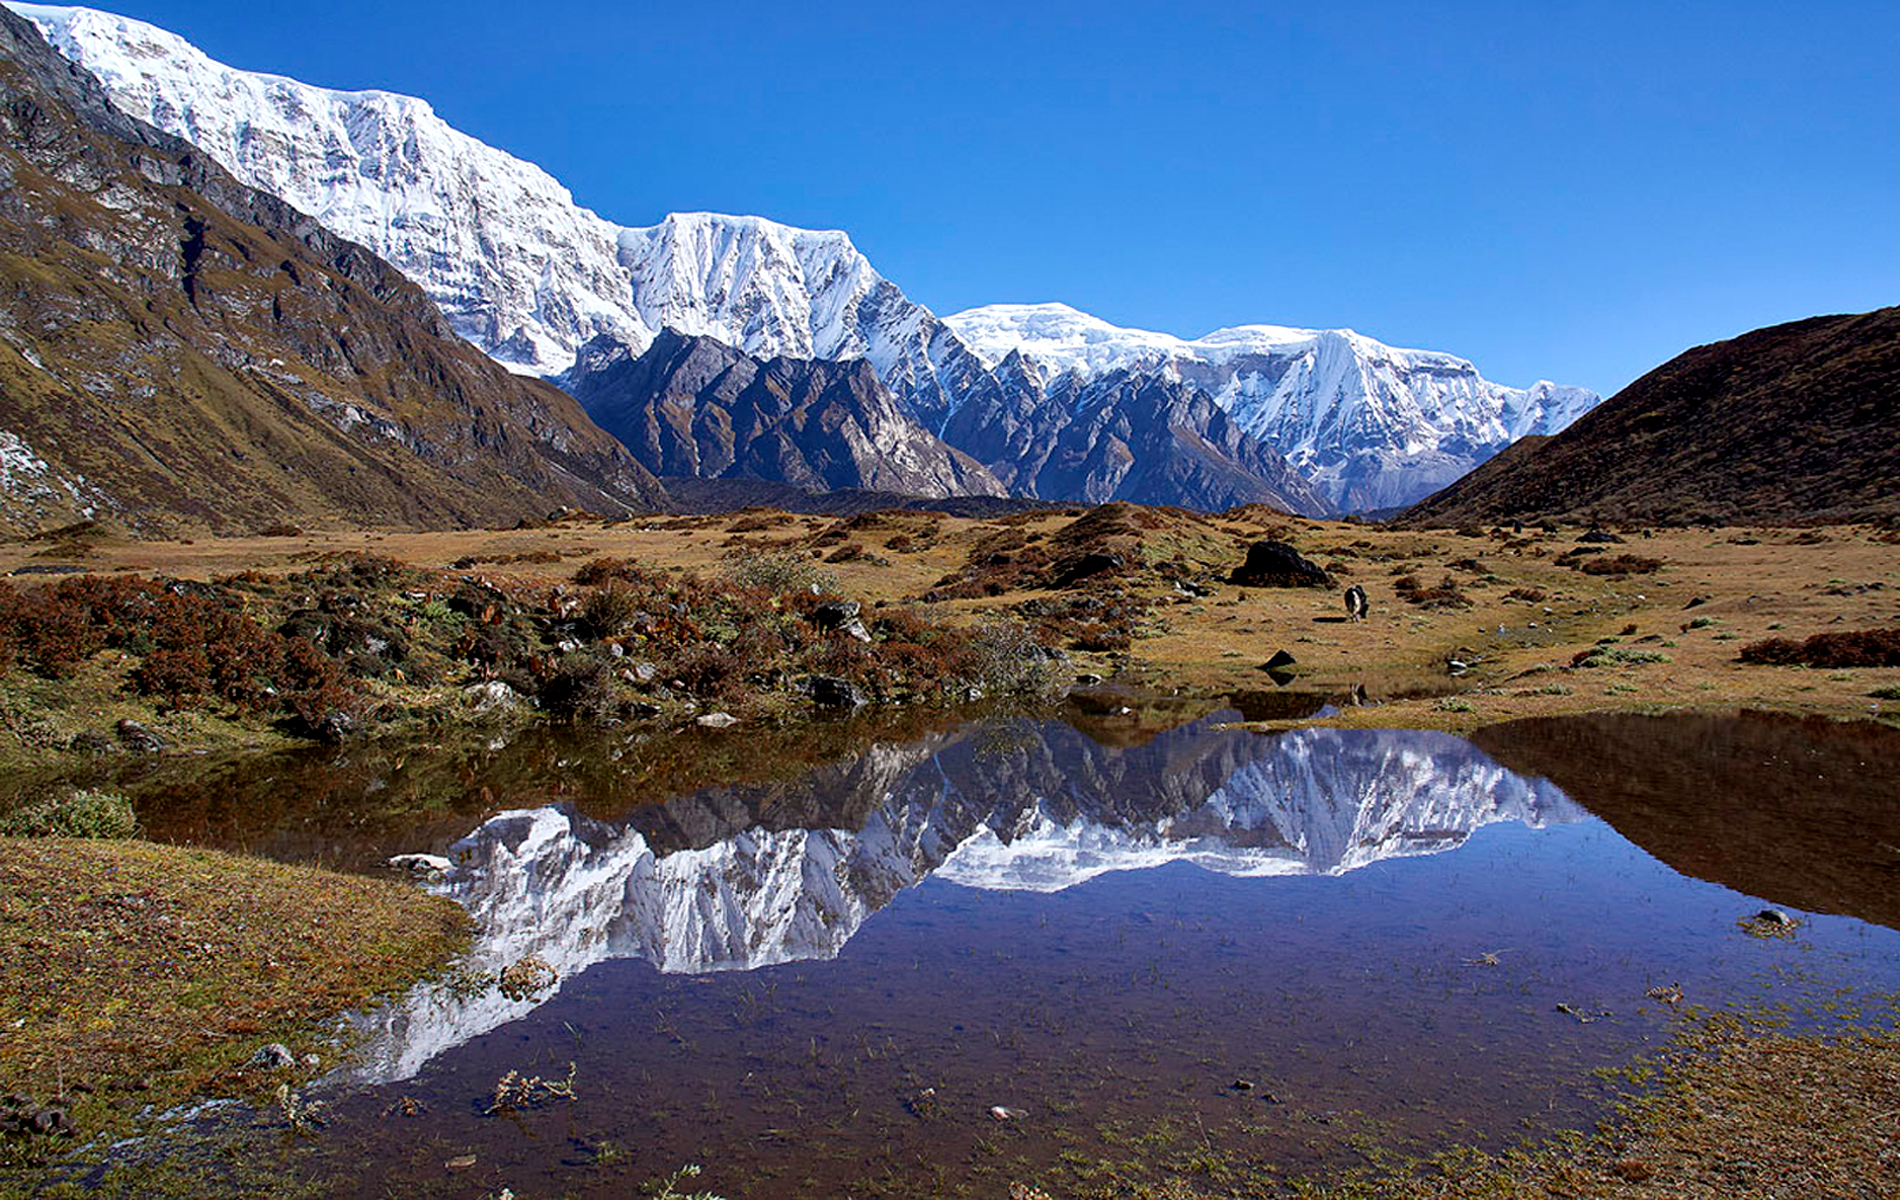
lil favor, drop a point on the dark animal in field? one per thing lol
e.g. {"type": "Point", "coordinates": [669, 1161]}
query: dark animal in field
{"type": "Point", "coordinates": [1356, 604]}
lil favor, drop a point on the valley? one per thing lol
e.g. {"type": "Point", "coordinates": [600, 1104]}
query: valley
{"type": "Point", "coordinates": [500, 702]}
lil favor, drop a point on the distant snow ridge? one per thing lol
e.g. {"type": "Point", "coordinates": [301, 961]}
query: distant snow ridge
{"type": "Point", "coordinates": [1373, 426]}
{"type": "Point", "coordinates": [529, 276]}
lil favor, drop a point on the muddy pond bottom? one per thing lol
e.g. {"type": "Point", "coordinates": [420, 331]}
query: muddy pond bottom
{"type": "Point", "coordinates": [1016, 952]}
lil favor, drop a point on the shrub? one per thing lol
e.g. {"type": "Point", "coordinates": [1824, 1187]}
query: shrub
{"type": "Point", "coordinates": [1849, 648]}
{"type": "Point", "coordinates": [581, 688]}
{"type": "Point", "coordinates": [1604, 656]}
{"type": "Point", "coordinates": [778, 574]}
{"type": "Point", "coordinates": [1622, 564]}
{"type": "Point", "coordinates": [80, 813]}
{"type": "Point", "coordinates": [609, 608]}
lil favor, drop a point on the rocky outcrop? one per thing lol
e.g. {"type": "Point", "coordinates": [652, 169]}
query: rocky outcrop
{"type": "Point", "coordinates": [1124, 436]}
{"type": "Point", "coordinates": [696, 407]}
{"type": "Point", "coordinates": [1278, 565]}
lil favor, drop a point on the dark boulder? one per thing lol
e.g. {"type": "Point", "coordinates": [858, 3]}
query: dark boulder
{"type": "Point", "coordinates": [141, 740]}
{"type": "Point", "coordinates": [830, 692]}
{"type": "Point", "coordinates": [1276, 564]}
{"type": "Point", "coordinates": [1280, 661]}
{"type": "Point", "coordinates": [1087, 566]}
{"type": "Point", "coordinates": [834, 614]}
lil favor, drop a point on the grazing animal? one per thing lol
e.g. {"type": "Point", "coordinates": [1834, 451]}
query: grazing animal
{"type": "Point", "coordinates": [1356, 605]}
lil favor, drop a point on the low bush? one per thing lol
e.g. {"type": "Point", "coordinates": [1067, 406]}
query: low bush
{"type": "Point", "coordinates": [1621, 564]}
{"type": "Point", "coordinates": [80, 813]}
{"type": "Point", "coordinates": [1848, 648]}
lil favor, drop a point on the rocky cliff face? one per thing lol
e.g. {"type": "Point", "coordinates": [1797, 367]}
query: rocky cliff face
{"type": "Point", "coordinates": [733, 879]}
{"type": "Point", "coordinates": [1124, 435]}
{"type": "Point", "coordinates": [692, 406]}
{"type": "Point", "coordinates": [180, 351]}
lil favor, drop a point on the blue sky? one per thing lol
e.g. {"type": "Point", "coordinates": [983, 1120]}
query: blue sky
{"type": "Point", "coordinates": [1575, 191]}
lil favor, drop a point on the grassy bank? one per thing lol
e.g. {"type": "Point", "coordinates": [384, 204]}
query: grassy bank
{"type": "Point", "coordinates": [136, 977]}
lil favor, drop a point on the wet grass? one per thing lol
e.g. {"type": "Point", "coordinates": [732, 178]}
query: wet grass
{"type": "Point", "coordinates": [136, 978]}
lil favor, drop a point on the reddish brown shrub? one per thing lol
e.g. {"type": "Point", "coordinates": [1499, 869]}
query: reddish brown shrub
{"type": "Point", "coordinates": [1848, 648]}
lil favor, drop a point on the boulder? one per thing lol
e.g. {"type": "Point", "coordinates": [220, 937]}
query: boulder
{"type": "Point", "coordinates": [141, 740]}
{"type": "Point", "coordinates": [491, 696]}
{"type": "Point", "coordinates": [717, 720]}
{"type": "Point", "coordinates": [828, 691]}
{"type": "Point", "coordinates": [271, 1057]}
{"type": "Point", "coordinates": [428, 866]}
{"type": "Point", "coordinates": [834, 614]}
{"type": "Point", "coordinates": [1280, 661]}
{"type": "Point", "coordinates": [1276, 564]}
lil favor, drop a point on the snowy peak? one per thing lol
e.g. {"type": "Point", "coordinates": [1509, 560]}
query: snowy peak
{"type": "Point", "coordinates": [767, 288]}
{"type": "Point", "coordinates": [529, 276]}
{"type": "Point", "coordinates": [1372, 425]}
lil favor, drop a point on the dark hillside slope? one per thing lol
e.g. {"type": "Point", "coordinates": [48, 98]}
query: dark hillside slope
{"type": "Point", "coordinates": [1796, 422]}
{"type": "Point", "coordinates": [179, 352]}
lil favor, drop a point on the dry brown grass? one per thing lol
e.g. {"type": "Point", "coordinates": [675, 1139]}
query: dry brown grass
{"type": "Point", "coordinates": [1783, 584]}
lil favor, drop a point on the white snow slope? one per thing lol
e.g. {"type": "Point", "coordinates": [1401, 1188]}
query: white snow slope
{"type": "Point", "coordinates": [1372, 425]}
{"type": "Point", "coordinates": [528, 275]}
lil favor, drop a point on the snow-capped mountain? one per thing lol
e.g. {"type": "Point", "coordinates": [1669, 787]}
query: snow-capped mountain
{"type": "Point", "coordinates": [1371, 425]}
{"type": "Point", "coordinates": [736, 879]}
{"type": "Point", "coordinates": [529, 276]}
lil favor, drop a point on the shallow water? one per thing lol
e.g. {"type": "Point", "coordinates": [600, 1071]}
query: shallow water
{"type": "Point", "coordinates": [820, 986]}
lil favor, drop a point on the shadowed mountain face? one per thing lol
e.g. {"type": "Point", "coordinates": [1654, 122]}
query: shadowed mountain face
{"type": "Point", "coordinates": [179, 351]}
{"type": "Point", "coordinates": [1790, 423]}
{"type": "Point", "coordinates": [696, 407]}
{"type": "Point", "coordinates": [1800, 811]}
{"type": "Point", "coordinates": [1142, 437]}
{"type": "Point", "coordinates": [736, 878]}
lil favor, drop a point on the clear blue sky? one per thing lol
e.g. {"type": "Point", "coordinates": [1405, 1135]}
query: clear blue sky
{"type": "Point", "coordinates": [1568, 191]}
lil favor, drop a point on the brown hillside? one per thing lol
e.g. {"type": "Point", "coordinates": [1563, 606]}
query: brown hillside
{"type": "Point", "coordinates": [179, 352]}
{"type": "Point", "coordinates": [1796, 422]}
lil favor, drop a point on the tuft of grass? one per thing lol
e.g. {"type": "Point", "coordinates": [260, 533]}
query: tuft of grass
{"type": "Point", "coordinates": [79, 813]}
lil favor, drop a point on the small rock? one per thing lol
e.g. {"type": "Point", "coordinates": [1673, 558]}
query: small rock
{"type": "Point", "coordinates": [460, 1162]}
{"type": "Point", "coordinates": [430, 866]}
{"type": "Point", "coordinates": [999, 1113]}
{"type": "Point", "coordinates": [856, 629]}
{"type": "Point", "coordinates": [1088, 679]}
{"type": "Point", "coordinates": [335, 725]}
{"type": "Point", "coordinates": [1456, 666]}
{"type": "Point", "coordinates": [311, 1062]}
{"type": "Point", "coordinates": [141, 740]}
{"type": "Point", "coordinates": [272, 1057]}
{"type": "Point", "coordinates": [644, 673]}
{"type": "Point", "coordinates": [833, 614]}
{"type": "Point", "coordinates": [617, 650]}
{"type": "Point", "coordinates": [1242, 1085]}
{"type": "Point", "coordinates": [491, 695]}
{"type": "Point", "coordinates": [717, 720]}
{"type": "Point", "coordinates": [1280, 661]}
{"type": "Point", "coordinates": [1774, 916]}
{"type": "Point", "coordinates": [830, 692]}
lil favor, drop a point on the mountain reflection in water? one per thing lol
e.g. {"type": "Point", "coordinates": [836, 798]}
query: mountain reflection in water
{"type": "Point", "coordinates": [734, 879]}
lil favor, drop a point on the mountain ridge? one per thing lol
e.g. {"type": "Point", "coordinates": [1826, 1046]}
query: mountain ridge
{"type": "Point", "coordinates": [1792, 422]}
{"type": "Point", "coordinates": [530, 276]}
